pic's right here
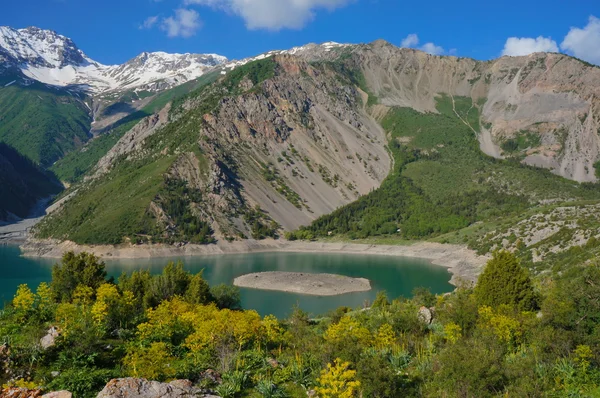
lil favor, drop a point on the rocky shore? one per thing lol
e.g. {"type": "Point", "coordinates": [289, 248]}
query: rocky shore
{"type": "Point", "coordinates": [304, 283]}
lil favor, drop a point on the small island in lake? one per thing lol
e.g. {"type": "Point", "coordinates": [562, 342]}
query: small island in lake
{"type": "Point", "coordinates": [304, 283]}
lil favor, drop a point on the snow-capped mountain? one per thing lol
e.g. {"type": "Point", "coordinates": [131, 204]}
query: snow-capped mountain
{"type": "Point", "coordinates": [40, 48]}
{"type": "Point", "coordinates": [50, 58]}
{"type": "Point", "coordinates": [161, 69]}
{"type": "Point", "coordinates": [310, 51]}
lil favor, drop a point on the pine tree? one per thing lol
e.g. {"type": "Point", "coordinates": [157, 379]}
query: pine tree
{"type": "Point", "coordinates": [505, 281]}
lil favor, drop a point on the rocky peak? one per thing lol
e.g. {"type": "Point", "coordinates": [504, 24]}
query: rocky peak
{"type": "Point", "coordinates": [42, 48]}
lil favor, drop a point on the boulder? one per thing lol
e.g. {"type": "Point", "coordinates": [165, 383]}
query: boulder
{"type": "Point", "coordinates": [425, 315]}
{"type": "Point", "coordinates": [58, 394]}
{"type": "Point", "coordinates": [49, 339]}
{"type": "Point", "coordinates": [16, 392]}
{"type": "Point", "coordinates": [141, 388]}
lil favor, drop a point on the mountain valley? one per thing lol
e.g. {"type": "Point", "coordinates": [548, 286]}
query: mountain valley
{"type": "Point", "coordinates": [328, 220]}
{"type": "Point", "coordinates": [358, 141]}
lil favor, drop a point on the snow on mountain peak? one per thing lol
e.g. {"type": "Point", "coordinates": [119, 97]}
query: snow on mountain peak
{"type": "Point", "coordinates": [50, 58]}
{"type": "Point", "coordinates": [41, 48]}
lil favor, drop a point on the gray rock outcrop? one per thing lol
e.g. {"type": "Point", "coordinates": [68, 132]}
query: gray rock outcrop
{"type": "Point", "coordinates": [141, 388]}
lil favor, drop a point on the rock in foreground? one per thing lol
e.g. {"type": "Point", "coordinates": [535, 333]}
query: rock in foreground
{"type": "Point", "coordinates": [141, 388]}
{"type": "Point", "coordinates": [304, 283]}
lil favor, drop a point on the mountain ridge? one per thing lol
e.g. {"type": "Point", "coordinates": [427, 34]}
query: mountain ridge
{"type": "Point", "coordinates": [51, 58]}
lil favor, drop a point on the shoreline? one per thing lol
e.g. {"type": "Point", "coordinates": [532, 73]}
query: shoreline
{"type": "Point", "coordinates": [464, 264]}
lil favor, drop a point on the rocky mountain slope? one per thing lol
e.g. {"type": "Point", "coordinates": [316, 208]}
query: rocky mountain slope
{"type": "Point", "coordinates": [274, 143]}
{"type": "Point", "coordinates": [284, 138]}
{"type": "Point", "coordinates": [542, 108]}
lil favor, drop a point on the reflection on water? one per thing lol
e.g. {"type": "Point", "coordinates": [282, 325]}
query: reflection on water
{"type": "Point", "coordinates": [396, 275]}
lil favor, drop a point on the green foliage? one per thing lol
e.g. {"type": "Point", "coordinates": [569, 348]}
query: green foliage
{"type": "Point", "coordinates": [82, 382]}
{"type": "Point", "coordinates": [75, 270]}
{"type": "Point", "coordinates": [226, 296]}
{"type": "Point", "coordinates": [523, 140]}
{"type": "Point", "coordinates": [255, 71]}
{"type": "Point", "coordinates": [470, 368]}
{"type": "Point", "coordinates": [42, 123]}
{"type": "Point", "coordinates": [150, 290]}
{"type": "Point", "coordinates": [177, 200]}
{"type": "Point", "coordinates": [504, 281]}
{"type": "Point", "coordinates": [261, 225]}
{"type": "Point", "coordinates": [383, 351]}
{"type": "Point", "coordinates": [72, 167]}
{"type": "Point", "coordinates": [441, 181]}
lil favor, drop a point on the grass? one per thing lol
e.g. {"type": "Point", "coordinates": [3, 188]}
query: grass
{"type": "Point", "coordinates": [115, 207]}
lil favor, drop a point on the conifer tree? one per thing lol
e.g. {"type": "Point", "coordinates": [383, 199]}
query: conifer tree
{"type": "Point", "coordinates": [505, 281]}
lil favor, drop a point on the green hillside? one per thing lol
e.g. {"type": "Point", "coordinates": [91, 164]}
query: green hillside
{"type": "Point", "coordinates": [40, 122]}
{"type": "Point", "coordinates": [22, 183]}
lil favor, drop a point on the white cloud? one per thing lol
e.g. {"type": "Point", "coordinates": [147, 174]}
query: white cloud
{"type": "Point", "coordinates": [412, 41]}
{"type": "Point", "coordinates": [431, 48]}
{"type": "Point", "coordinates": [584, 43]}
{"type": "Point", "coordinates": [515, 46]}
{"type": "Point", "coordinates": [184, 23]}
{"type": "Point", "coordinates": [149, 22]}
{"type": "Point", "coordinates": [272, 14]}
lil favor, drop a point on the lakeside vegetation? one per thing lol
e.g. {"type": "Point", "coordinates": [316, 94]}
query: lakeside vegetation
{"type": "Point", "coordinates": [511, 336]}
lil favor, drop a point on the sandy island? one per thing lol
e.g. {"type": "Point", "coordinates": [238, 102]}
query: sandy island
{"type": "Point", "coordinates": [463, 263]}
{"type": "Point", "coordinates": [304, 283]}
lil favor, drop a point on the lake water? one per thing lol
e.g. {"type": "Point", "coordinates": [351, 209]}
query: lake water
{"type": "Point", "coordinates": [398, 276]}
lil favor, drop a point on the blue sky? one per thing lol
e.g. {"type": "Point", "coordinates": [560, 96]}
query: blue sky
{"type": "Point", "coordinates": [113, 31]}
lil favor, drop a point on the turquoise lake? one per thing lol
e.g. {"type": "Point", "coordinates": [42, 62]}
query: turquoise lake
{"type": "Point", "coordinates": [398, 276]}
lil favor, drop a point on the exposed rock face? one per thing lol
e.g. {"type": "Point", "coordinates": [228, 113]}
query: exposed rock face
{"type": "Point", "coordinates": [38, 47]}
{"type": "Point", "coordinates": [133, 139]}
{"type": "Point", "coordinates": [304, 141]}
{"type": "Point", "coordinates": [312, 133]}
{"type": "Point", "coordinates": [142, 388]}
{"type": "Point", "coordinates": [553, 96]}
{"type": "Point", "coordinates": [425, 315]}
{"type": "Point", "coordinates": [15, 392]}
